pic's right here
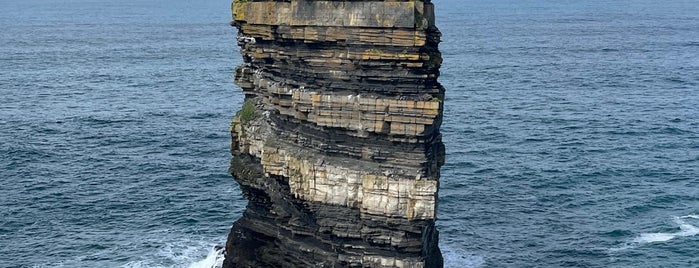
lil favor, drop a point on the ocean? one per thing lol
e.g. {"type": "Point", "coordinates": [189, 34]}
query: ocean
{"type": "Point", "coordinates": [571, 130]}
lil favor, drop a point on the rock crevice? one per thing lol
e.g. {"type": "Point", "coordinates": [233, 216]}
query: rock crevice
{"type": "Point", "coordinates": [337, 146]}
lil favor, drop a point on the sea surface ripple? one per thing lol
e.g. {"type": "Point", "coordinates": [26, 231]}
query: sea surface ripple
{"type": "Point", "coordinates": [571, 128]}
{"type": "Point", "coordinates": [572, 133]}
{"type": "Point", "coordinates": [114, 137]}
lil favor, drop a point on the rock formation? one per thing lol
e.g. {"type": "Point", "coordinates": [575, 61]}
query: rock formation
{"type": "Point", "coordinates": [337, 146]}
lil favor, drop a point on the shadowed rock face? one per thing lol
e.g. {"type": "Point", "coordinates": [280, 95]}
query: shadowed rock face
{"type": "Point", "coordinates": [337, 146]}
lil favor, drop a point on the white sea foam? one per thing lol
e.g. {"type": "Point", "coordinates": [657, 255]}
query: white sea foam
{"type": "Point", "coordinates": [686, 230]}
{"type": "Point", "coordinates": [690, 217]}
{"type": "Point", "coordinates": [191, 254]}
{"type": "Point", "coordinates": [213, 260]}
{"type": "Point", "coordinates": [654, 237]}
{"type": "Point", "coordinates": [452, 258]}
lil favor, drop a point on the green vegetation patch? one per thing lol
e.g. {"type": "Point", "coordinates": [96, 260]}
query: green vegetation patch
{"type": "Point", "coordinates": [247, 113]}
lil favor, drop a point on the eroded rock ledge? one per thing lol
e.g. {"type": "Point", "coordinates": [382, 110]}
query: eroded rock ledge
{"type": "Point", "coordinates": [337, 146]}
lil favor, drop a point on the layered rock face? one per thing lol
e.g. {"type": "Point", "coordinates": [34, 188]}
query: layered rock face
{"type": "Point", "coordinates": [337, 146]}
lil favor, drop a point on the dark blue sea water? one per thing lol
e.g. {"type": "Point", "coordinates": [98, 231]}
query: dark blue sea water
{"type": "Point", "coordinates": [572, 133]}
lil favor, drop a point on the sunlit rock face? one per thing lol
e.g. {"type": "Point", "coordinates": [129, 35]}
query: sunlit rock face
{"type": "Point", "coordinates": [337, 146]}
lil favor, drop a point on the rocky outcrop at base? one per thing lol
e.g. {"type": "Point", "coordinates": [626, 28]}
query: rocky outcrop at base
{"type": "Point", "coordinates": [337, 146]}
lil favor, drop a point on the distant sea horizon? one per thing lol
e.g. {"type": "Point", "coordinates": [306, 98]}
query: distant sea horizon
{"type": "Point", "coordinates": [571, 130]}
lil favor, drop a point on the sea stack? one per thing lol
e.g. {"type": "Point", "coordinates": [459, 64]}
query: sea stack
{"type": "Point", "coordinates": [337, 146]}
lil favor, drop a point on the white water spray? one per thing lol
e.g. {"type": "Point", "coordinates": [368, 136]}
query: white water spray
{"type": "Point", "coordinates": [213, 260]}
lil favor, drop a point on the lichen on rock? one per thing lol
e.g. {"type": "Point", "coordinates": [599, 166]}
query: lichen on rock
{"type": "Point", "coordinates": [337, 146]}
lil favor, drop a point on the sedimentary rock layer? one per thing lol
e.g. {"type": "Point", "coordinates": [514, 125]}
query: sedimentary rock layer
{"type": "Point", "coordinates": [337, 146]}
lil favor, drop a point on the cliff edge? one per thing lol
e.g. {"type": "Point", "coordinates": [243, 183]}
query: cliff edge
{"type": "Point", "coordinates": [337, 146]}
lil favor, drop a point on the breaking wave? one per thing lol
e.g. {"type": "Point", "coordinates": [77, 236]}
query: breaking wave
{"type": "Point", "coordinates": [685, 230]}
{"type": "Point", "coordinates": [213, 260]}
{"type": "Point", "coordinates": [173, 256]}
